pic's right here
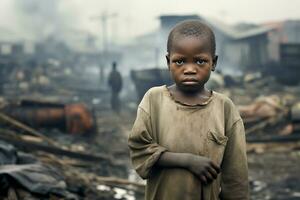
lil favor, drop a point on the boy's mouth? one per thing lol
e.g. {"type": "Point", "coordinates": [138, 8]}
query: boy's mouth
{"type": "Point", "coordinates": [190, 82]}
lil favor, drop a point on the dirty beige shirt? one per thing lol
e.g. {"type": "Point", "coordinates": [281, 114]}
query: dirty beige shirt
{"type": "Point", "coordinates": [214, 130]}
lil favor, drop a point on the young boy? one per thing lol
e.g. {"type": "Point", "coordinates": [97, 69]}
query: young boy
{"type": "Point", "coordinates": [187, 141]}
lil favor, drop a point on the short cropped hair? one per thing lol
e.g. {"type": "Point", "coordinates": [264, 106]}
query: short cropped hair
{"type": "Point", "coordinates": [193, 28]}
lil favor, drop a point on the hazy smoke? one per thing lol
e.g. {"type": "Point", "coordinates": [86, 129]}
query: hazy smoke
{"type": "Point", "coordinates": [40, 19]}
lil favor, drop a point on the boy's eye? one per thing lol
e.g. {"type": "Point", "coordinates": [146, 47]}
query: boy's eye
{"type": "Point", "coordinates": [179, 62]}
{"type": "Point", "coordinates": [200, 62]}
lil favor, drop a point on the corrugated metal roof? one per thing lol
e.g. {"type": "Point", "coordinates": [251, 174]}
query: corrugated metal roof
{"type": "Point", "coordinates": [252, 32]}
{"type": "Point", "coordinates": [233, 32]}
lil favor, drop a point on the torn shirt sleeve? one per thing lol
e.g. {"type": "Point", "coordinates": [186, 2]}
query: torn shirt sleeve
{"type": "Point", "coordinates": [144, 150]}
{"type": "Point", "coordinates": [234, 177]}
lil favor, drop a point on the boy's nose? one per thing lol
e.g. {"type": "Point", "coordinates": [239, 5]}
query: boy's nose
{"type": "Point", "coordinates": [189, 69]}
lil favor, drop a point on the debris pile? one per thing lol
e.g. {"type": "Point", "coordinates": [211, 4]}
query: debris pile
{"type": "Point", "coordinates": [46, 176]}
{"type": "Point", "coordinates": [269, 110]}
{"type": "Point", "coordinates": [39, 162]}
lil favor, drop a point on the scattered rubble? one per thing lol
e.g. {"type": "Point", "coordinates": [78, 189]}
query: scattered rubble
{"type": "Point", "coordinates": [81, 174]}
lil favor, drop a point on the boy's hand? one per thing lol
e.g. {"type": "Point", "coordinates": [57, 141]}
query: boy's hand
{"type": "Point", "coordinates": [203, 168]}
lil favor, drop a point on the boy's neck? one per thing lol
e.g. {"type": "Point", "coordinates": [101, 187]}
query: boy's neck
{"type": "Point", "coordinates": [198, 96]}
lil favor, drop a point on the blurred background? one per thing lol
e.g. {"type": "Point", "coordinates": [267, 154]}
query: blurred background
{"type": "Point", "coordinates": [73, 73]}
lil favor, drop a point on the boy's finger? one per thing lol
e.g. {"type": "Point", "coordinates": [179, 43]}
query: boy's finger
{"type": "Point", "coordinates": [216, 167]}
{"type": "Point", "coordinates": [203, 179]}
{"type": "Point", "coordinates": [208, 176]}
{"type": "Point", "coordinates": [213, 172]}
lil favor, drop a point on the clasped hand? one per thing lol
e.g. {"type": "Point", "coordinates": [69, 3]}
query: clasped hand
{"type": "Point", "coordinates": [203, 168]}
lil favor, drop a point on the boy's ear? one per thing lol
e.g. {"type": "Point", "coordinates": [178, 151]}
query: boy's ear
{"type": "Point", "coordinates": [168, 60]}
{"type": "Point", "coordinates": [215, 61]}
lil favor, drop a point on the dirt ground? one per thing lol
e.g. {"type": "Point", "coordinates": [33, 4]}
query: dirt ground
{"type": "Point", "coordinates": [275, 175]}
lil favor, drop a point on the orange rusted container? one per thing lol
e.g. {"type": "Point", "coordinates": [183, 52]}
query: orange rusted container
{"type": "Point", "coordinates": [78, 119]}
{"type": "Point", "coordinates": [72, 118]}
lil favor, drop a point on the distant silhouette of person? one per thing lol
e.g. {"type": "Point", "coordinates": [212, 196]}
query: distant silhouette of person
{"type": "Point", "coordinates": [115, 82]}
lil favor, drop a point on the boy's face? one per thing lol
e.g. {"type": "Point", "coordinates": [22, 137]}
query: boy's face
{"type": "Point", "coordinates": [190, 62]}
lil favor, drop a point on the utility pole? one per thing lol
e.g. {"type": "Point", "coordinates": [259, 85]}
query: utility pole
{"type": "Point", "coordinates": [104, 17]}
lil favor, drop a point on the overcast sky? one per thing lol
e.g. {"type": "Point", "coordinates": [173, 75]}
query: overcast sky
{"type": "Point", "coordinates": [135, 17]}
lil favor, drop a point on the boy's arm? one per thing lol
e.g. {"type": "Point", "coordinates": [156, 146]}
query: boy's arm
{"type": "Point", "coordinates": [144, 150]}
{"type": "Point", "coordinates": [234, 176]}
{"type": "Point", "coordinates": [169, 159]}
